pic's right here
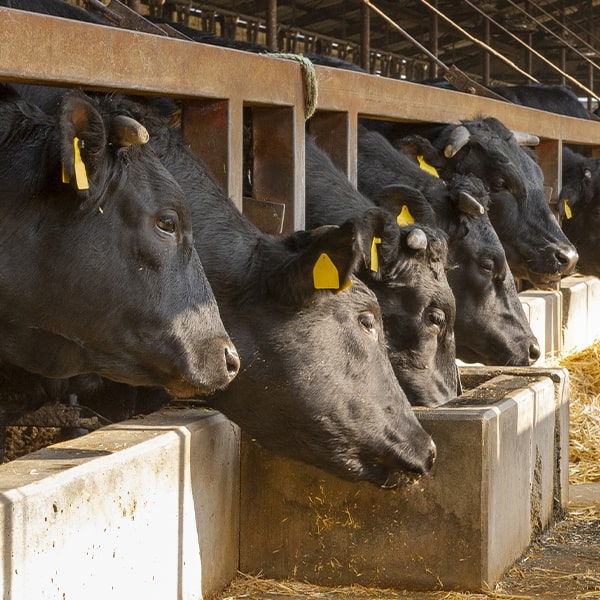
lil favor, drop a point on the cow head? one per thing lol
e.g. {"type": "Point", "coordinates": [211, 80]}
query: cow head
{"type": "Point", "coordinates": [316, 383]}
{"type": "Point", "coordinates": [484, 290]}
{"type": "Point", "coordinates": [535, 246]}
{"type": "Point", "coordinates": [406, 268]}
{"type": "Point", "coordinates": [579, 208]}
{"type": "Point", "coordinates": [98, 265]}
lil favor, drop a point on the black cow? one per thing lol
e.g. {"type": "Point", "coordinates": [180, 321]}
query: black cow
{"type": "Point", "coordinates": [411, 286]}
{"type": "Point", "coordinates": [491, 326]}
{"type": "Point", "coordinates": [579, 208]}
{"type": "Point", "coordinates": [559, 99]}
{"type": "Point", "coordinates": [316, 383]}
{"type": "Point", "coordinates": [55, 8]}
{"type": "Point", "coordinates": [99, 273]}
{"type": "Point", "coordinates": [536, 248]}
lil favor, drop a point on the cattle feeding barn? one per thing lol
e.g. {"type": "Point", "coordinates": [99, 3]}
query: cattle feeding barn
{"type": "Point", "coordinates": [174, 504]}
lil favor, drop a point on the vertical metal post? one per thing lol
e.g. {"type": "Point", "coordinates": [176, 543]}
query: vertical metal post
{"type": "Point", "coordinates": [528, 53]}
{"type": "Point", "coordinates": [272, 25]}
{"type": "Point", "coordinates": [591, 42]}
{"type": "Point", "coordinates": [433, 66]}
{"type": "Point", "coordinates": [486, 54]}
{"type": "Point", "coordinates": [365, 37]}
{"type": "Point", "coordinates": [563, 50]}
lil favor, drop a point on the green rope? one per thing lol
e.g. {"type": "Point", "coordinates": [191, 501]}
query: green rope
{"type": "Point", "coordinates": [309, 81]}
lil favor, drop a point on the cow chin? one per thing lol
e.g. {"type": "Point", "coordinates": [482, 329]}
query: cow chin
{"type": "Point", "coordinates": [543, 281]}
{"type": "Point", "coordinates": [388, 479]}
{"type": "Point", "coordinates": [540, 280]}
{"type": "Point", "coordinates": [185, 391]}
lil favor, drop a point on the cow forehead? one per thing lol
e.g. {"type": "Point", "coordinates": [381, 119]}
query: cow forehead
{"type": "Point", "coordinates": [144, 180]}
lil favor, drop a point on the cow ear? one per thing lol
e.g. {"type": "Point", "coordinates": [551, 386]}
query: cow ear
{"type": "Point", "coordinates": [83, 140]}
{"type": "Point", "coordinates": [407, 204]}
{"type": "Point", "coordinates": [422, 152]}
{"type": "Point", "coordinates": [326, 258]}
{"type": "Point", "coordinates": [567, 200]}
{"type": "Point", "coordinates": [379, 237]}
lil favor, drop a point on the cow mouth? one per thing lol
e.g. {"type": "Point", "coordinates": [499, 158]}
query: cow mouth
{"type": "Point", "coordinates": [545, 281]}
{"type": "Point", "coordinates": [388, 474]}
{"type": "Point", "coordinates": [388, 478]}
{"type": "Point", "coordinates": [184, 391]}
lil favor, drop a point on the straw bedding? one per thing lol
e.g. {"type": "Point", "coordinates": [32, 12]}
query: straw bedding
{"type": "Point", "coordinates": [584, 414]}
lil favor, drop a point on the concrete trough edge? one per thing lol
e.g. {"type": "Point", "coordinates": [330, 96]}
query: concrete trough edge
{"type": "Point", "coordinates": [146, 508]}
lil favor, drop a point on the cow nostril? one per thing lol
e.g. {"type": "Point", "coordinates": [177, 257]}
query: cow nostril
{"type": "Point", "coordinates": [232, 360]}
{"type": "Point", "coordinates": [567, 258]}
{"type": "Point", "coordinates": [534, 352]}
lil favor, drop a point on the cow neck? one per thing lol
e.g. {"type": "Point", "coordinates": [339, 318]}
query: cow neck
{"type": "Point", "coordinates": [230, 246]}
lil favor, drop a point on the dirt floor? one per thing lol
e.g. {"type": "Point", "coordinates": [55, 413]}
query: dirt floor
{"type": "Point", "coordinates": [563, 564]}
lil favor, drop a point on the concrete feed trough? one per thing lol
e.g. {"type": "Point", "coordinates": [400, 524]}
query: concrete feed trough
{"type": "Point", "coordinates": [155, 508]}
{"type": "Point", "coordinates": [499, 479]}
{"type": "Point", "coordinates": [146, 508]}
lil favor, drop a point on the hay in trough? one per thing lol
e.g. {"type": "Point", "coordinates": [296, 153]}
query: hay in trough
{"type": "Point", "coordinates": [584, 414]}
{"type": "Point", "coordinates": [251, 587]}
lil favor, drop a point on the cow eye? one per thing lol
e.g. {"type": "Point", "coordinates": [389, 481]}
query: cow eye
{"type": "Point", "coordinates": [436, 318]}
{"type": "Point", "coordinates": [487, 265]}
{"type": "Point", "coordinates": [167, 222]}
{"type": "Point", "coordinates": [498, 183]}
{"type": "Point", "coordinates": [368, 323]}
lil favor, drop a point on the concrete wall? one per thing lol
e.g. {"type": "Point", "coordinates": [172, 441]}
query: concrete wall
{"type": "Point", "coordinates": [146, 509]}
{"type": "Point", "coordinates": [565, 320]}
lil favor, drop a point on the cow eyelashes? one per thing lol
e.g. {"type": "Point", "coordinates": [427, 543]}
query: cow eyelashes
{"type": "Point", "coordinates": [487, 265]}
{"type": "Point", "coordinates": [436, 318]}
{"type": "Point", "coordinates": [368, 323]}
{"type": "Point", "coordinates": [167, 223]}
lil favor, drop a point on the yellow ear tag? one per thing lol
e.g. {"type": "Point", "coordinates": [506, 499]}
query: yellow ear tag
{"type": "Point", "coordinates": [80, 172]}
{"type": "Point", "coordinates": [325, 274]}
{"type": "Point", "coordinates": [344, 287]}
{"type": "Point", "coordinates": [374, 256]}
{"type": "Point", "coordinates": [567, 208]}
{"type": "Point", "coordinates": [65, 177]}
{"type": "Point", "coordinates": [426, 166]}
{"type": "Point", "coordinates": [405, 218]}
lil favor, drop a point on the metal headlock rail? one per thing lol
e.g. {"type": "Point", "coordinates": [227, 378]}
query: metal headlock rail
{"type": "Point", "coordinates": [558, 37]}
{"type": "Point", "coordinates": [453, 74]}
{"type": "Point", "coordinates": [569, 30]}
{"type": "Point", "coordinates": [459, 79]}
{"type": "Point", "coordinates": [530, 49]}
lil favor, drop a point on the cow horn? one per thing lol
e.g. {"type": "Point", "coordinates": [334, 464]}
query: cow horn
{"type": "Point", "coordinates": [469, 205]}
{"type": "Point", "coordinates": [416, 239]}
{"type": "Point", "coordinates": [525, 139]}
{"type": "Point", "coordinates": [128, 132]}
{"type": "Point", "coordinates": [458, 138]}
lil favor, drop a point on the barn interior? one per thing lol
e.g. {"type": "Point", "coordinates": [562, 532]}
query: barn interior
{"type": "Point", "coordinates": [501, 42]}
{"type": "Point", "coordinates": [185, 475]}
